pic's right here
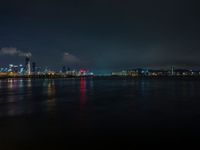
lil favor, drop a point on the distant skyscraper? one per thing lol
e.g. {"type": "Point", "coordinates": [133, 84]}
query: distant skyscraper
{"type": "Point", "coordinates": [27, 65]}
{"type": "Point", "coordinates": [63, 69]}
{"type": "Point", "coordinates": [172, 71]}
{"type": "Point", "coordinates": [33, 67]}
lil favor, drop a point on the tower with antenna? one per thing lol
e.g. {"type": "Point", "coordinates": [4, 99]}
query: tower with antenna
{"type": "Point", "coordinates": [172, 71]}
{"type": "Point", "coordinates": [27, 65]}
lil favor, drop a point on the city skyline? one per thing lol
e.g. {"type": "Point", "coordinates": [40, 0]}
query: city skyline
{"type": "Point", "coordinates": [31, 69]}
{"type": "Point", "coordinates": [68, 66]}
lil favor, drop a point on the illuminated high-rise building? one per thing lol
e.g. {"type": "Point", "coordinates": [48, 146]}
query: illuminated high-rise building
{"type": "Point", "coordinates": [21, 69]}
{"type": "Point", "coordinates": [27, 65]}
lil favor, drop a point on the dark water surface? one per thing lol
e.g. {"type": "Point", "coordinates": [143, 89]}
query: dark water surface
{"type": "Point", "coordinates": [51, 113]}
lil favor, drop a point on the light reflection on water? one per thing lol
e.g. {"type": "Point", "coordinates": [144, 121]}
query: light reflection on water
{"type": "Point", "coordinates": [82, 92]}
{"type": "Point", "coordinates": [21, 83]}
{"type": "Point", "coordinates": [51, 95]}
{"type": "Point", "coordinates": [37, 110]}
{"type": "Point", "coordinates": [29, 84]}
{"type": "Point", "coordinates": [86, 91]}
{"type": "Point", "coordinates": [16, 93]}
{"type": "Point", "coordinates": [10, 83]}
{"type": "Point", "coordinates": [26, 96]}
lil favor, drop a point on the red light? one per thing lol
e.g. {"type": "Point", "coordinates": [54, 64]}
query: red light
{"type": "Point", "coordinates": [82, 71]}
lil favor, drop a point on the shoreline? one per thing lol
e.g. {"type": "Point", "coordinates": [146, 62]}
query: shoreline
{"type": "Point", "coordinates": [100, 77]}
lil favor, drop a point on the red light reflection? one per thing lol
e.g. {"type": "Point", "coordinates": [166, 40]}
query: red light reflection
{"type": "Point", "coordinates": [82, 92]}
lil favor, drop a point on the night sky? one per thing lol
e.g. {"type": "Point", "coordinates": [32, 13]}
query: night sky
{"type": "Point", "coordinates": [101, 35]}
